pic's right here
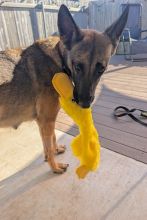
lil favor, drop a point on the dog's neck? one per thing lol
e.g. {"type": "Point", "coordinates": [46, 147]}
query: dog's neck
{"type": "Point", "coordinates": [63, 57]}
{"type": "Point", "coordinates": [55, 49]}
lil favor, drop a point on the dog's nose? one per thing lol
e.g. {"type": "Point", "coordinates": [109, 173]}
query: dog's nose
{"type": "Point", "coordinates": [84, 100]}
{"type": "Point", "coordinates": [84, 104]}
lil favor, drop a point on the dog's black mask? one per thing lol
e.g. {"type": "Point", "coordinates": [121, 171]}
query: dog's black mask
{"type": "Point", "coordinates": [83, 101]}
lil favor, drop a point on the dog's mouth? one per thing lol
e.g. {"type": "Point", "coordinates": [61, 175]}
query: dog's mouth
{"type": "Point", "coordinates": [82, 104]}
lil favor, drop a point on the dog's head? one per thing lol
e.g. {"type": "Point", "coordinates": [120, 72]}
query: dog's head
{"type": "Point", "coordinates": [87, 52]}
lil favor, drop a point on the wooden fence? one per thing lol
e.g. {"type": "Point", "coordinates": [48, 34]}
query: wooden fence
{"type": "Point", "coordinates": [103, 12]}
{"type": "Point", "coordinates": [22, 24]}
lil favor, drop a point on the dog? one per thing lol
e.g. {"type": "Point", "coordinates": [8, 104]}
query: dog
{"type": "Point", "coordinates": [26, 90]}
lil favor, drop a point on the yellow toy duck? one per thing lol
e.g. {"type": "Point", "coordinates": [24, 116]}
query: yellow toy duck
{"type": "Point", "coordinates": [86, 145]}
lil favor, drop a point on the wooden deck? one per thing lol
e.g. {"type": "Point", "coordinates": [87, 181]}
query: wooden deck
{"type": "Point", "coordinates": [125, 83]}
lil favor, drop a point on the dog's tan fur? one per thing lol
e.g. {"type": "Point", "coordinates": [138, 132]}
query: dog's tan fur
{"type": "Point", "coordinates": [35, 99]}
{"type": "Point", "coordinates": [26, 91]}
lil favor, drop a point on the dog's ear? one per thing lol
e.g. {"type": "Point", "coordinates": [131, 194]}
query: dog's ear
{"type": "Point", "coordinates": [115, 30]}
{"type": "Point", "coordinates": [69, 31]}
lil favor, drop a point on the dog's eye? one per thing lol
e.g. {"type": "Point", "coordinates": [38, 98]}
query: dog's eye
{"type": "Point", "coordinates": [78, 68]}
{"type": "Point", "coordinates": [100, 68]}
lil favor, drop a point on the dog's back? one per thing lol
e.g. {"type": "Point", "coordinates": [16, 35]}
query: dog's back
{"type": "Point", "coordinates": [24, 74]}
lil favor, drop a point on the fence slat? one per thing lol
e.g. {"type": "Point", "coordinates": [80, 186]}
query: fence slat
{"type": "Point", "coordinates": [22, 24]}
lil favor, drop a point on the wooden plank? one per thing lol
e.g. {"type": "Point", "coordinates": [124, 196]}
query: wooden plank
{"type": "Point", "coordinates": [124, 81]}
{"type": "Point", "coordinates": [17, 26]}
{"type": "Point", "coordinates": [102, 15]}
{"type": "Point", "coordinates": [121, 93]}
{"type": "Point", "coordinates": [29, 5]}
{"type": "Point", "coordinates": [126, 87]}
{"type": "Point", "coordinates": [109, 144]}
{"type": "Point", "coordinates": [136, 86]}
{"type": "Point", "coordinates": [66, 128]}
{"type": "Point", "coordinates": [130, 76]}
{"type": "Point", "coordinates": [136, 73]}
{"type": "Point", "coordinates": [113, 134]}
{"type": "Point", "coordinates": [124, 150]}
{"type": "Point", "coordinates": [113, 91]}
{"type": "Point", "coordinates": [104, 117]}
{"type": "Point", "coordinates": [107, 104]}
{"type": "Point", "coordinates": [122, 101]}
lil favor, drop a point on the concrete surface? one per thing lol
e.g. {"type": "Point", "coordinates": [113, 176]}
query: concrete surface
{"type": "Point", "coordinates": [30, 191]}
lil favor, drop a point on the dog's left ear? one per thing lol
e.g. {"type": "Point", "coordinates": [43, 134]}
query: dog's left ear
{"type": "Point", "coordinates": [115, 30]}
{"type": "Point", "coordinates": [69, 31]}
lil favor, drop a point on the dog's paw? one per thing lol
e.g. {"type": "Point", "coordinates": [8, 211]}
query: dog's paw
{"type": "Point", "coordinates": [61, 168]}
{"type": "Point", "coordinates": [60, 149]}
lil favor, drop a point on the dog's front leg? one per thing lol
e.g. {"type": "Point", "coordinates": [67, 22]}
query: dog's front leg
{"type": "Point", "coordinates": [59, 149]}
{"type": "Point", "coordinates": [47, 108]}
{"type": "Point", "coordinates": [48, 138]}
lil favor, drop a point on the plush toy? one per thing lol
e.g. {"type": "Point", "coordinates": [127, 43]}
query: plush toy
{"type": "Point", "coordinates": [85, 146]}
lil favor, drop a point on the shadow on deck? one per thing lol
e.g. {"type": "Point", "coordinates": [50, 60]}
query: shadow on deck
{"type": "Point", "coordinates": [124, 83]}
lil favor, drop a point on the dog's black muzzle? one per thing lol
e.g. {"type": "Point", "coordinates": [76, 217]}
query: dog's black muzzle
{"type": "Point", "coordinates": [84, 100]}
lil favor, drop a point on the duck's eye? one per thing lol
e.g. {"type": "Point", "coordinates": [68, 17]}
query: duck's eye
{"type": "Point", "coordinates": [100, 68]}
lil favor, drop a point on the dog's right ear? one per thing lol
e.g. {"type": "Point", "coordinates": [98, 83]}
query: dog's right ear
{"type": "Point", "coordinates": [69, 31]}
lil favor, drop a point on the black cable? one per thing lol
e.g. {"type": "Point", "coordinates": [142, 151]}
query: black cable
{"type": "Point", "coordinates": [121, 111]}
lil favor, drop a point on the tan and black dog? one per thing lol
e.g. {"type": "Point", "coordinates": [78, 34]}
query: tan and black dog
{"type": "Point", "coordinates": [26, 91]}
